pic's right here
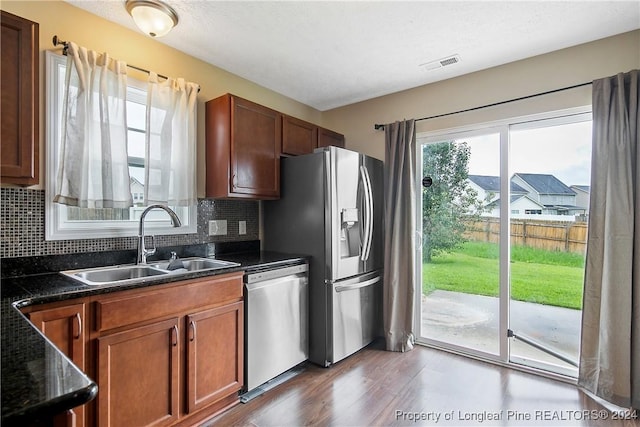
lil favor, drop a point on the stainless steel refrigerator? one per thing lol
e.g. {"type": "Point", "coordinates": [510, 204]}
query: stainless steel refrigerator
{"type": "Point", "coordinates": [331, 209]}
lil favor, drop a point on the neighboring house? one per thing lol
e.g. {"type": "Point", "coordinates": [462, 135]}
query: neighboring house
{"type": "Point", "coordinates": [531, 194]}
{"type": "Point", "coordinates": [583, 192]}
{"type": "Point", "coordinates": [546, 189]}
{"type": "Point", "coordinates": [520, 205]}
{"type": "Point", "coordinates": [137, 191]}
{"type": "Point", "coordinates": [488, 187]}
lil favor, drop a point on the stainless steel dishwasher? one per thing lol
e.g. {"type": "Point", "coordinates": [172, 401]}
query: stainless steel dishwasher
{"type": "Point", "coordinates": [276, 322]}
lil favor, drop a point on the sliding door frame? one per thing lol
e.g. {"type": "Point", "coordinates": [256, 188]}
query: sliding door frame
{"type": "Point", "coordinates": [503, 128]}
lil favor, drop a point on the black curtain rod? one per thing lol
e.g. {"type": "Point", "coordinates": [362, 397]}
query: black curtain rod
{"type": "Point", "coordinates": [381, 127]}
{"type": "Point", "coordinates": [58, 42]}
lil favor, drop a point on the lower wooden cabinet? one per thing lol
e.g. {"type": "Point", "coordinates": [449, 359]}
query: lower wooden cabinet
{"type": "Point", "coordinates": [162, 356]}
{"type": "Point", "coordinates": [65, 327]}
{"type": "Point", "coordinates": [215, 355]}
{"type": "Point", "coordinates": [138, 376]}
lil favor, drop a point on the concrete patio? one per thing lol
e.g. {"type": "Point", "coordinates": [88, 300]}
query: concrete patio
{"type": "Point", "coordinates": [472, 321]}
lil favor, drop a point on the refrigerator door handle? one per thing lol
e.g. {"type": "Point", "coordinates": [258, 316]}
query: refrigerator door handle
{"type": "Point", "coordinates": [368, 213]}
{"type": "Point", "coordinates": [362, 205]}
{"type": "Point", "coordinates": [343, 288]}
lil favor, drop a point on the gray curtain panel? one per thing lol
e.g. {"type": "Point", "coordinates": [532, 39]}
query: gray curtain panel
{"type": "Point", "coordinates": [400, 228]}
{"type": "Point", "coordinates": [610, 352]}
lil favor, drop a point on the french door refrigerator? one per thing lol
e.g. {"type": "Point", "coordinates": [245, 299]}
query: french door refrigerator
{"type": "Point", "coordinates": [331, 209]}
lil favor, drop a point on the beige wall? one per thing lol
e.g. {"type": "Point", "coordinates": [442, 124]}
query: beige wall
{"type": "Point", "coordinates": [558, 69]}
{"type": "Point", "coordinates": [562, 68]}
{"type": "Point", "coordinates": [71, 23]}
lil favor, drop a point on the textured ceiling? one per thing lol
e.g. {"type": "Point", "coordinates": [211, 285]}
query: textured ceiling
{"type": "Point", "coordinates": [334, 53]}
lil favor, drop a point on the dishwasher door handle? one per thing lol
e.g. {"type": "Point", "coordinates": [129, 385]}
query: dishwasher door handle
{"type": "Point", "coordinates": [344, 288]}
{"type": "Point", "coordinates": [275, 273]}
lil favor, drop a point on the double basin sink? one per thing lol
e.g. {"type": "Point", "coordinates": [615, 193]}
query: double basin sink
{"type": "Point", "coordinates": [126, 274]}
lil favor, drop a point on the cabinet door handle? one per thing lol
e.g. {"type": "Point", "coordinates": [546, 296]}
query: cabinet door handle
{"type": "Point", "coordinates": [70, 418]}
{"type": "Point", "coordinates": [77, 326]}
{"type": "Point", "coordinates": [174, 336]}
{"type": "Point", "coordinates": [192, 330]}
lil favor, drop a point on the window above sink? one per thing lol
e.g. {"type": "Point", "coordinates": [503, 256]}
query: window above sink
{"type": "Point", "coordinates": [66, 222]}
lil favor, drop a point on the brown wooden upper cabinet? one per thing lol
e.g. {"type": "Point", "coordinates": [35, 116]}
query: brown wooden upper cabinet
{"type": "Point", "coordinates": [243, 141]}
{"type": "Point", "coordinates": [19, 142]}
{"type": "Point", "coordinates": [328, 137]}
{"type": "Point", "coordinates": [300, 137]}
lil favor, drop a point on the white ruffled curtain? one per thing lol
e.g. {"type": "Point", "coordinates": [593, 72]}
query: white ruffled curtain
{"type": "Point", "coordinates": [170, 176]}
{"type": "Point", "coordinates": [610, 346]}
{"type": "Point", "coordinates": [93, 168]}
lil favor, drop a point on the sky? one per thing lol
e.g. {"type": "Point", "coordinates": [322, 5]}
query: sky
{"type": "Point", "coordinates": [563, 151]}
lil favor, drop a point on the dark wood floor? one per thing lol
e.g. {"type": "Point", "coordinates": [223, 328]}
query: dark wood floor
{"type": "Point", "coordinates": [417, 388]}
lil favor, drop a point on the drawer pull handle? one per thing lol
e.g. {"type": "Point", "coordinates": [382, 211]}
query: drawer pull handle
{"type": "Point", "coordinates": [192, 329]}
{"type": "Point", "coordinates": [77, 326]}
{"type": "Point", "coordinates": [174, 336]}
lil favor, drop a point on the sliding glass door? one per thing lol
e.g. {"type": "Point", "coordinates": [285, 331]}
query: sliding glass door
{"type": "Point", "coordinates": [460, 266]}
{"type": "Point", "coordinates": [503, 219]}
{"type": "Point", "coordinates": [550, 162]}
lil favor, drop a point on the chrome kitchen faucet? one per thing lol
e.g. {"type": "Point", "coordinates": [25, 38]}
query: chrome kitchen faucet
{"type": "Point", "coordinates": [142, 251]}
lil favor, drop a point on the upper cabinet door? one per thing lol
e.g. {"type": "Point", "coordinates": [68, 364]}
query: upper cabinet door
{"type": "Point", "coordinates": [244, 141]}
{"type": "Point", "coordinates": [298, 137]}
{"type": "Point", "coordinates": [328, 137]}
{"type": "Point", "coordinates": [255, 149]}
{"type": "Point", "coordinates": [243, 149]}
{"type": "Point", "coordinates": [19, 141]}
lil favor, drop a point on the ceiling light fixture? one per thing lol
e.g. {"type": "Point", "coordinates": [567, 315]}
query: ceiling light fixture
{"type": "Point", "coordinates": [152, 17]}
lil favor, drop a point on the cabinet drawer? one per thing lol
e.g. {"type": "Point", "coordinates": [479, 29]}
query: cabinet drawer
{"type": "Point", "coordinates": [144, 305]}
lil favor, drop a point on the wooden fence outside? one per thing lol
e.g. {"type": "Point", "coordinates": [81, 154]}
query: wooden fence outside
{"type": "Point", "coordinates": [548, 235]}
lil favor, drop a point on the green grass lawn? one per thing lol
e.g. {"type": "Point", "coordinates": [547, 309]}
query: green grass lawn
{"type": "Point", "coordinates": [544, 277]}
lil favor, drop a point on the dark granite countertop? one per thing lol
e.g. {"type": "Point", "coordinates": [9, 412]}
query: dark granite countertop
{"type": "Point", "coordinates": [37, 380]}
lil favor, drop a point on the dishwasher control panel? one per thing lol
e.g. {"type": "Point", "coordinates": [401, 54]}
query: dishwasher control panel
{"type": "Point", "coordinates": [261, 276]}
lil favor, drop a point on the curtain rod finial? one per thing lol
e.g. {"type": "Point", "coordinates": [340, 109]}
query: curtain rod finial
{"type": "Point", "coordinates": [378, 127]}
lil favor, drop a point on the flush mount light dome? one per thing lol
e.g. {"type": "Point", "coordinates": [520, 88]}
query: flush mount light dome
{"type": "Point", "coordinates": [152, 17]}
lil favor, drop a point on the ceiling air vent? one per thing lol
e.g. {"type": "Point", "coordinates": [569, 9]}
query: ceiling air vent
{"type": "Point", "coordinates": [440, 63]}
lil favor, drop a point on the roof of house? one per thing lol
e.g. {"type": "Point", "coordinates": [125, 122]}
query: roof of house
{"type": "Point", "coordinates": [492, 183]}
{"type": "Point", "coordinates": [585, 188]}
{"type": "Point", "coordinates": [545, 183]}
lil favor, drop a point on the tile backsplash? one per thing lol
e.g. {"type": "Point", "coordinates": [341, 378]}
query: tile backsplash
{"type": "Point", "coordinates": [22, 226]}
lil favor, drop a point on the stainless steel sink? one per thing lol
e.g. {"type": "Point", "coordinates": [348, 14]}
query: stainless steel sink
{"type": "Point", "coordinates": [193, 264]}
{"type": "Point", "coordinates": [112, 275]}
{"type": "Point", "coordinates": [124, 274]}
